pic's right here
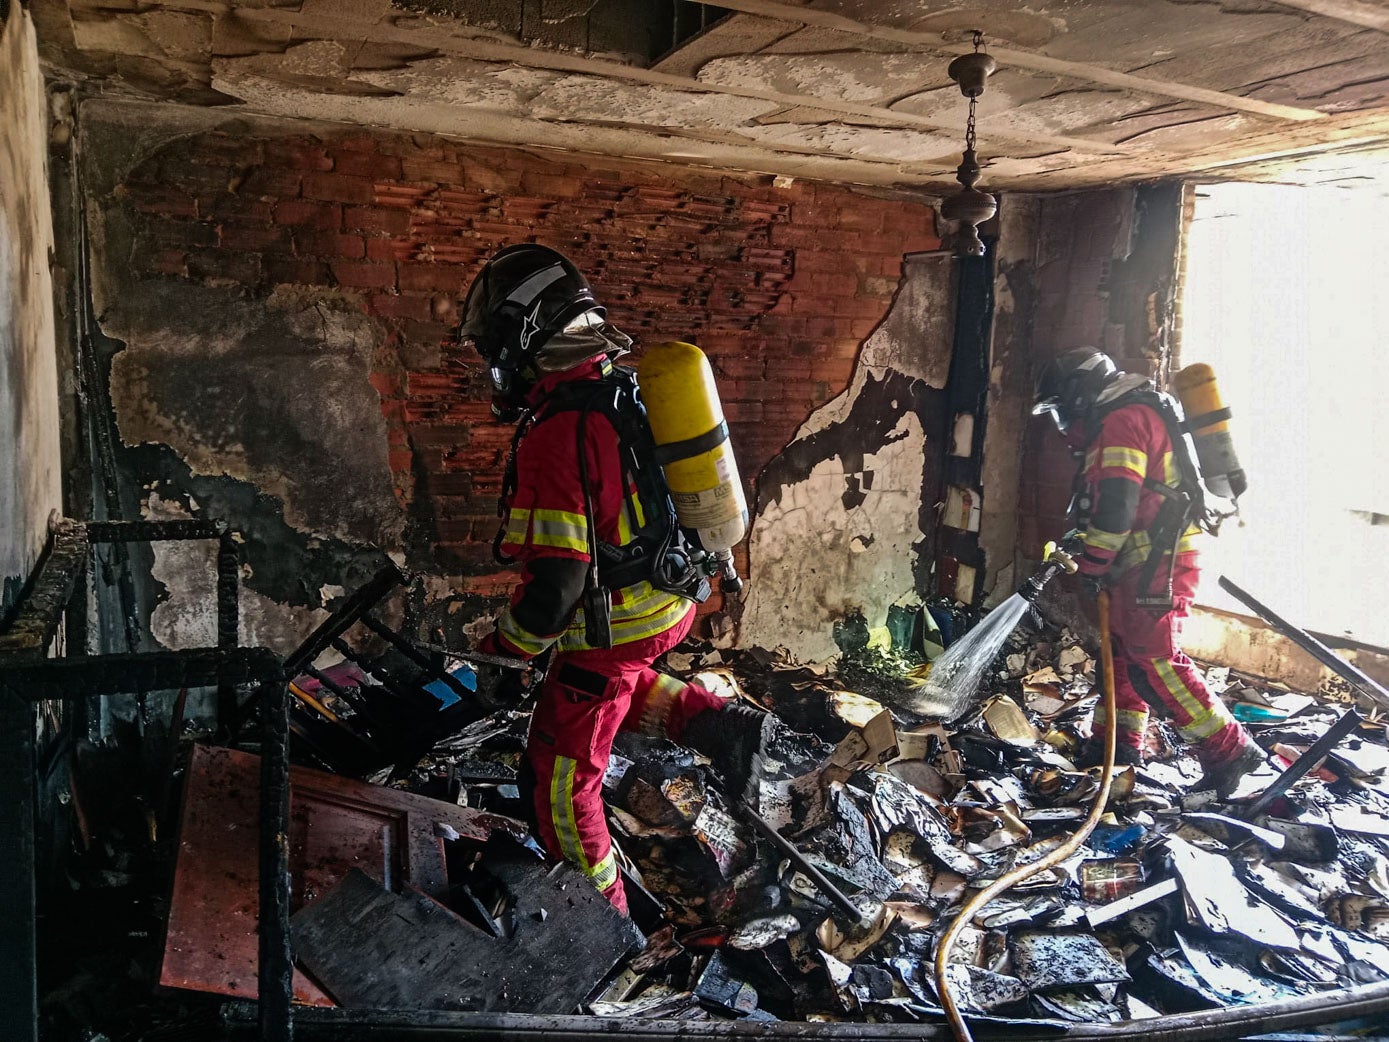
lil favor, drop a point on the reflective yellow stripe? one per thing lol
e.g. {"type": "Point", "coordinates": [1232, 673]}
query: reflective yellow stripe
{"type": "Point", "coordinates": [604, 874]}
{"type": "Point", "coordinates": [1211, 721]}
{"type": "Point", "coordinates": [517, 523]}
{"type": "Point", "coordinates": [630, 519]}
{"type": "Point", "coordinates": [639, 611]}
{"type": "Point", "coordinates": [1101, 540]}
{"type": "Point", "coordinates": [1125, 719]}
{"type": "Point", "coordinates": [519, 637]}
{"type": "Point", "coordinates": [1169, 470]}
{"type": "Point", "coordinates": [625, 527]}
{"type": "Point", "coordinates": [1135, 460]}
{"type": "Point", "coordinates": [556, 528]}
{"type": "Point", "coordinates": [665, 692]}
{"type": "Point", "coordinates": [559, 528]}
{"type": "Point", "coordinates": [1182, 694]}
{"type": "Point", "coordinates": [562, 814]}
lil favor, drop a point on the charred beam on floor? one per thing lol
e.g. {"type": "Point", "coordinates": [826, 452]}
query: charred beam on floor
{"type": "Point", "coordinates": [83, 676]}
{"type": "Point", "coordinates": [1315, 753]}
{"type": "Point", "coordinates": [347, 616]}
{"type": "Point", "coordinates": [1353, 675]}
{"type": "Point", "coordinates": [48, 593]}
{"type": "Point", "coordinates": [275, 968]}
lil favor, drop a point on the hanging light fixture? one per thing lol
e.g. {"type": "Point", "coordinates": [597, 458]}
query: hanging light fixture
{"type": "Point", "coordinates": [969, 206]}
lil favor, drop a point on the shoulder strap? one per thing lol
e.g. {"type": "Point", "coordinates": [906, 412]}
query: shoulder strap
{"type": "Point", "coordinates": [509, 481]}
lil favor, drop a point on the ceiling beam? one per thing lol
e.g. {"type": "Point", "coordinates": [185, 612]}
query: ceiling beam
{"type": "Point", "coordinates": [1038, 62]}
{"type": "Point", "coordinates": [1368, 13]}
{"type": "Point", "coordinates": [491, 50]}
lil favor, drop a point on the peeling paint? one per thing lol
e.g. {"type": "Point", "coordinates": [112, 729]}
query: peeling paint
{"type": "Point", "coordinates": [845, 76]}
{"type": "Point", "coordinates": [258, 411]}
{"type": "Point", "coordinates": [845, 516]}
{"type": "Point", "coordinates": [817, 556]}
{"type": "Point", "coordinates": [372, 62]}
{"type": "Point", "coordinates": [185, 615]}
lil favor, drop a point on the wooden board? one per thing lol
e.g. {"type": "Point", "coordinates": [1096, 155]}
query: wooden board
{"type": "Point", "coordinates": [336, 825]}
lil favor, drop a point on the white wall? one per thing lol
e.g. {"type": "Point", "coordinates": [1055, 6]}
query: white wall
{"type": "Point", "coordinates": [30, 465]}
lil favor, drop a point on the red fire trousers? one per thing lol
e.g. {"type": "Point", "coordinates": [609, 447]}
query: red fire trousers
{"type": "Point", "coordinates": [1150, 669]}
{"type": "Point", "coordinates": [588, 696]}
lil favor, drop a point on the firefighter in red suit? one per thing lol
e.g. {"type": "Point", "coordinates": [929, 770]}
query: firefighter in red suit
{"type": "Point", "coordinates": [1138, 531]}
{"type": "Point", "coordinates": [534, 319]}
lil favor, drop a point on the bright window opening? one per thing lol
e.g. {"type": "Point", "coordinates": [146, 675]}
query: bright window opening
{"type": "Point", "coordinates": [1287, 296]}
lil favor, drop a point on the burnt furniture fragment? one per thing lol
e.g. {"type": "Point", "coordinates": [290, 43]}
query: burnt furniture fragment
{"type": "Point", "coordinates": [371, 948]}
{"type": "Point", "coordinates": [56, 594]}
{"type": "Point", "coordinates": [399, 706]}
{"type": "Point", "coordinates": [336, 825]}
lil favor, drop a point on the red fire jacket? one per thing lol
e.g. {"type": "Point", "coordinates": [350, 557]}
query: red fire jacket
{"type": "Point", "coordinates": [547, 531]}
{"type": "Point", "coordinates": [1132, 444]}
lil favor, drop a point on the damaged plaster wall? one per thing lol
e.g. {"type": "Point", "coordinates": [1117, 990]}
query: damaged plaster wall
{"type": "Point", "coordinates": [1009, 394]}
{"type": "Point", "coordinates": [846, 513]}
{"type": "Point", "coordinates": [253, 408]}
{"type": "Point", "coordinates": [30, 465]}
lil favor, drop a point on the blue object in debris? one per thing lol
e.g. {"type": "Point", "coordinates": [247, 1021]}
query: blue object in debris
{"type": "Point", "coordinates": [1116, 839]}
{"type": "Point", "coordinates": [446, 695]}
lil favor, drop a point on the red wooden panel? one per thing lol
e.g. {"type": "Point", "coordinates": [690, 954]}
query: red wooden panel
{"type": "Point", "coordinates": [336, 824]}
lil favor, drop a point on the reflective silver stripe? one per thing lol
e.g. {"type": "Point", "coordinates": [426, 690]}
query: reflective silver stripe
{"type": "Point", "coordinates": [536, 284]}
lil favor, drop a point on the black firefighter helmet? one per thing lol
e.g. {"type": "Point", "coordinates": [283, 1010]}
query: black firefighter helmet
{"type": "Point", "coordinates": [1071, 383]}
{"type": "Point", "coordinates": [523, 297]}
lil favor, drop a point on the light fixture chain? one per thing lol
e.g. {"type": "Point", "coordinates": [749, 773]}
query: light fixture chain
{"type": "Point", "coordinates": [969, 124]}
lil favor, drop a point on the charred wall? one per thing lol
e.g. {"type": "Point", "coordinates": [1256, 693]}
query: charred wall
{"type": "Point", "coordinates": [274, 301]}
{"type": "Point", "coordinates": [1106, 265]}
{"type": "Point", "coordinates": [847, 513]}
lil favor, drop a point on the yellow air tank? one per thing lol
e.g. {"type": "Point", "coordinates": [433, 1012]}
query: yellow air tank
{"type": "Point", "coordinates": [1208, 422]}
{"type": "Point", "coordinates": [686, 417]}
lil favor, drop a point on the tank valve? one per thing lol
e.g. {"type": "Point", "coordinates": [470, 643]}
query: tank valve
{"type": "Point", "coordinates": [729, 580]}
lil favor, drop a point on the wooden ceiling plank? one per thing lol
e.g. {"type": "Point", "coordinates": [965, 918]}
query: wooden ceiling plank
{"type": "Point", "coordinates": [533, 57]}
{"type": "Point", "coordinates": [1370, 15]}
{"type": "Point", "coordinates": [1034, 62]}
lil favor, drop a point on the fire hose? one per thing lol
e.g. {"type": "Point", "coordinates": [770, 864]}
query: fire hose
{"type": "Point", "coordinates": [1017, 875]}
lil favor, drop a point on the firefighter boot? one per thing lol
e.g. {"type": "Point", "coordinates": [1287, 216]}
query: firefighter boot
{"type": "Point", "coordinates": [1225, 777]}
{"type": "Point", "coordinates": [735, 738]}
{"type": "Point", "coordinates": [1092, 755]}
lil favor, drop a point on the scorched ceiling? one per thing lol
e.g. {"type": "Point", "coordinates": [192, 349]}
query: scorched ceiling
{"type": "Point", "coordinates": [1088, 92]}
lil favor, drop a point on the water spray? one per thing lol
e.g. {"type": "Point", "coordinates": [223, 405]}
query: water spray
{"type": "Point", "coordinates": [955, 677]}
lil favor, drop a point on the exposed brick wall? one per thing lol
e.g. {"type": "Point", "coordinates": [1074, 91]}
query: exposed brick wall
{"type": "Point", "coordinates": [779, 286]}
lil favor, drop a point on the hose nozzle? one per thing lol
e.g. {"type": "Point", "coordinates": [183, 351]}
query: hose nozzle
{"type": "Point", "coordinates": [1055, 560]}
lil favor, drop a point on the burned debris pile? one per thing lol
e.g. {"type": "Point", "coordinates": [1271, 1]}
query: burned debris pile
{"type": "Point", "coordinates": [815, 887]}
{"type": "Point", "coordinates": [818, 888]}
